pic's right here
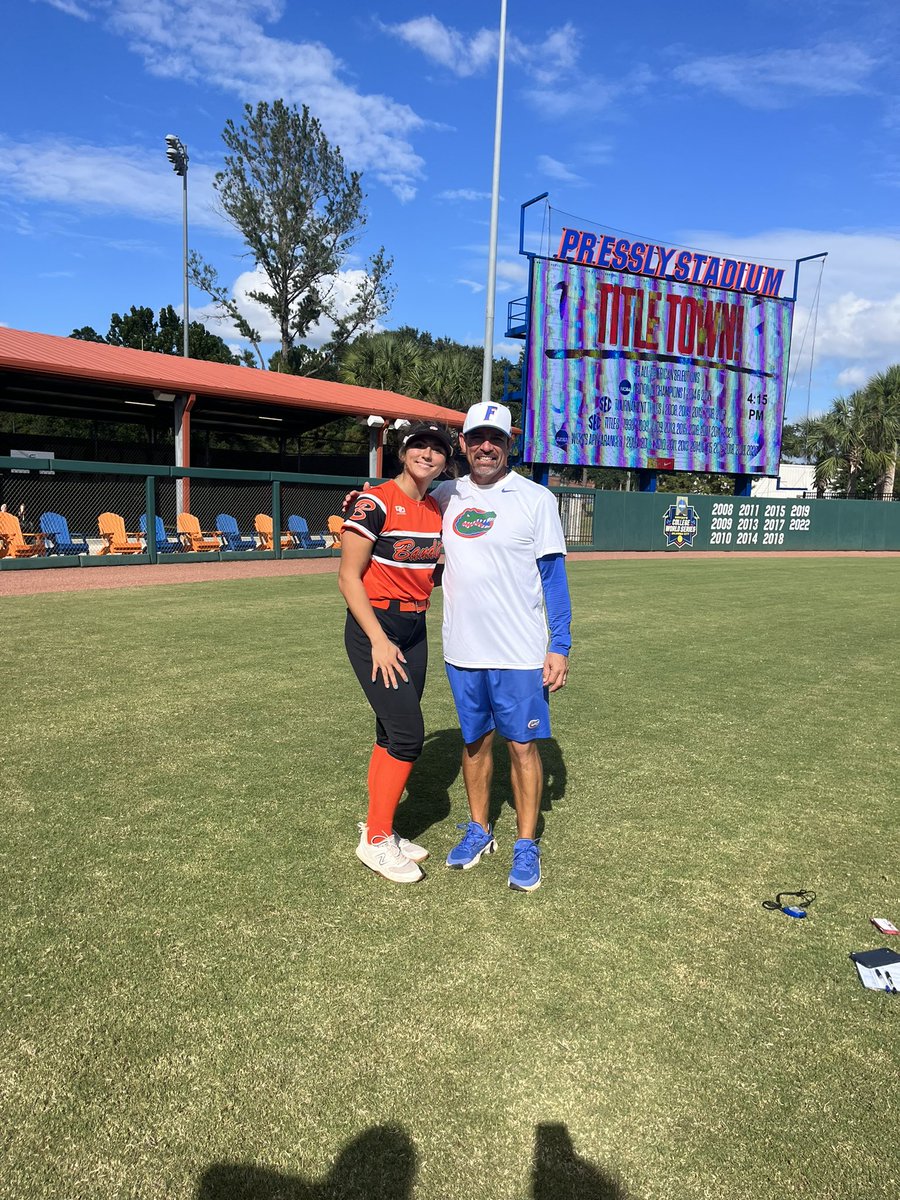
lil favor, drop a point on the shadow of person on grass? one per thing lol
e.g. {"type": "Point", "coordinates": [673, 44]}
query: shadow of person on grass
{"type": "Point", "coordinates": [379, 1164]}
{"type": "Point", "coordinates": [427, 801]}
{"type": "Point", "coordinates": [558, 1173]}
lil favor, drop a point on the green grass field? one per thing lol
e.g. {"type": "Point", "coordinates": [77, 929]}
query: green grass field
{"type": "Point", "coordinates": [204, 995]}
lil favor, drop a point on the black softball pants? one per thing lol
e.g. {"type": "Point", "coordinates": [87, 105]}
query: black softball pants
{"type": "Point", "coordinates": [399, 725]}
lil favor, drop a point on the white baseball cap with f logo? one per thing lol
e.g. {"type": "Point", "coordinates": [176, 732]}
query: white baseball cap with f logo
{"type": "Point", "coordinates": [488, 415]}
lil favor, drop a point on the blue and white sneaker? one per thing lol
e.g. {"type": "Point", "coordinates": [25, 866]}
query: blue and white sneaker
{"type": "Point", "coordinates": [525, 875]}
{"type": "Point", "coordinates": [469, 851]}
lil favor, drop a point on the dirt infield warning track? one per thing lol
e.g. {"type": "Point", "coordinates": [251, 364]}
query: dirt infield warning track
{"type": "Point", "coordinates": [78, 579]}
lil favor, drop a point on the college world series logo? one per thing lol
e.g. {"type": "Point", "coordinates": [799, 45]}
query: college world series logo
{"type": "Point", "coordinates": [474, 522]}
{"type": "Point", "coordinates": [680, 523]}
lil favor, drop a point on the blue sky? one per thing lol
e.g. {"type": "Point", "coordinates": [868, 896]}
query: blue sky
{"type": "Point", "coordinates": [763, 128]}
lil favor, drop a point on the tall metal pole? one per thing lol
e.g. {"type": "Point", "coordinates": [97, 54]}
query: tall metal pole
{"type": "Point", "coordinates": [176, 153]}
{"type": "Point", "coordinates": [495, 213]}
{"type": "Point", "coordinates": [187, 316]}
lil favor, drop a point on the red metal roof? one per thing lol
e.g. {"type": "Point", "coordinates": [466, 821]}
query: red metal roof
{"type": "Point", "coordinates": [45, 354]}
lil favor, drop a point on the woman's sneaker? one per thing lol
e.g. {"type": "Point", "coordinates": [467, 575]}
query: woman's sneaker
{"type": "Point", "coordinates": [384, 857]}
{"type": "Point", "coordinates": [412, 850]}
{"type": "Point", "coordinates": [525, 875]}
{"type": "Point", "coordinates": [474, 844]}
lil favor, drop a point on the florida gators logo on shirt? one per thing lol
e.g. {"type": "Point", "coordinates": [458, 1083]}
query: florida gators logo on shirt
{"type": "Point", "coordinates": [474, 522]}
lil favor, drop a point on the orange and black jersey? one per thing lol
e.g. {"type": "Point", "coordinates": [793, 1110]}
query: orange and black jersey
{"type": "Point", "coordinates": [407, 542]}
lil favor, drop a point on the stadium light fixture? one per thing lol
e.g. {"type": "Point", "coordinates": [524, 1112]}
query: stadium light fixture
{"type": "Point", "coordinates": [176, 153]}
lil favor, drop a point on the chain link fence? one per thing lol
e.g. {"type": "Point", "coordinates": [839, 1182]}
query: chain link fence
{"type": "Point", "coordinates": [58, 510]}
{"type": "Point", "coordinates": [77, 498]}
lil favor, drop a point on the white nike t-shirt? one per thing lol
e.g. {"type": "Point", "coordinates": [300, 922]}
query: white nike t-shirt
{"type": "Point", "coordinates": [493, 601]}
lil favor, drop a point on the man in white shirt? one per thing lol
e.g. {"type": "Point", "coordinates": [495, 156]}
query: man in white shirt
{"type": "Point", "coordinates": [504, 580]}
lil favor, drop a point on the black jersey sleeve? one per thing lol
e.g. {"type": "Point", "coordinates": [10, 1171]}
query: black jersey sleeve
{"type": "Point", "coordinates": [368, 516]}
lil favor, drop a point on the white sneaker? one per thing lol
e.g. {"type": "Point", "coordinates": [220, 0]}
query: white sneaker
{"type": "Point", "coordinates": [385, 858]}
{"type": "Point", "coordinates": [412, 850]}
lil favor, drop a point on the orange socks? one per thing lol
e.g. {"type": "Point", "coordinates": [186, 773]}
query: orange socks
{"type": "Point", "coordinates": [387, 779]}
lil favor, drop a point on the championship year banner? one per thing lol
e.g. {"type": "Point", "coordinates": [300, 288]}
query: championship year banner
{"type": "Point", "coordinates": [642, 372]}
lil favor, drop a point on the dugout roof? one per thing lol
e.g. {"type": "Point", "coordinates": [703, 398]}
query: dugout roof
{"type": "Point", "coordinates": [60, 376]}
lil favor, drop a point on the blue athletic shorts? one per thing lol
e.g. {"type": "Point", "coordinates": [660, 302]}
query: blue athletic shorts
{"type": "Point", "coordinates": [513, 702]}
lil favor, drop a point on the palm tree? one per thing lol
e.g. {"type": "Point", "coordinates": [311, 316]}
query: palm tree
{"type": "Point", "coordinates": [857, 436]}
{"type": "Point", "coordinates": [451, 377]}
{"type": "Point", "coordinates": [883, 391]}
{"type": "Point", "coordinates": [389, 361]}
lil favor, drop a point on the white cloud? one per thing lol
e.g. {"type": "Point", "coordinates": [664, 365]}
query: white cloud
{"type": "Point", "coordinates": [558, 171]}
{"type": "Point", "coordinates": [344, 290]}
{"type": "Point", "coordinates": [852, 326]}
{"type": "Point", "coordinates": [583, 94]}
{"type": "Point", "coordinates": [71, 9]}
{"type": "Point", "coordinates": [857, 326]}
{"type": "Point", "coordinates": [852, 378]}
{"type": "Point", "coordinates": [554, 58]}
{"type": "Point", "coordinates": [473, 287]}
{"type": "Point", "coordinates": [463, 194]}
{"type": "Point", "coordinates": [557, 85]}
{"type": "Point", "coordinates": [191, 40]}
{"type": "Point", "coordinates": [775, 79]}
{"type": "Point", "coordinates": [512, 276]}
{"type": "Point", "coordinates": [598, 154]}
{"type": "Point", "coordinates": [512, 271]}
{"type": "Point", "coordinates": [113, 179]}
{"type": "Point", "coordinates": [451, 49]}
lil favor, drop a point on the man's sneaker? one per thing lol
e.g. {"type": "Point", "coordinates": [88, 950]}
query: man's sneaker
{"type": "Point", "coordinates": [525, 875]}
{"type": "Point", "coordinates": [385, 857]}
{"type": "Point", "coordinates": [469, 851]}
{"type": "Point", "coordinates": [412, 850]}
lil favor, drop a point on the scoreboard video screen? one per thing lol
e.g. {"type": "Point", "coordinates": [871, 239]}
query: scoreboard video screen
{"type": "Point", "coordinates": [638, 370]}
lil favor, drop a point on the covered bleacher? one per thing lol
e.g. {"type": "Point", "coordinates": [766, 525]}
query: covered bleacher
{"type": "Point", "coordinates": [99, 450]}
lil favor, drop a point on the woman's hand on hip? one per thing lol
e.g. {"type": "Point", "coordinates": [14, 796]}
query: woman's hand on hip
{"type": "Point", "coordinates": [386, 658]}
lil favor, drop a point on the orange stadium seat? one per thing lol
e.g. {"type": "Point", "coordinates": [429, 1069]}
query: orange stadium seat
{"type": "Point", "coordinates": [265, 529]}
{"type": "Point", "coordinates": [195, 538]}
{"type": "Point", "coordinates": [16, 544]}
{"type": "Point", "coordinates": [118, 540]}
{"type": "Point", "coordinates": [335, 525]}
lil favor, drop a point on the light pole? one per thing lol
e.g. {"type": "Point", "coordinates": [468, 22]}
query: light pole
{"type": "Point", "coordinates": [487, 367]}
{"type": "Point", "coordinates": [176, 153]}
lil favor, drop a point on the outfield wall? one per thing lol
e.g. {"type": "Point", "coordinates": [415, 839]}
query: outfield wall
{"type": "Point", "coordinates": [592, 520]}
{"type": "Point", "coordinates": [639, 521]}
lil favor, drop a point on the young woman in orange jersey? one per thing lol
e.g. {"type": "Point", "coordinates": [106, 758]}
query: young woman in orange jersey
{"type": "Point", "coordinates": [386, 577]}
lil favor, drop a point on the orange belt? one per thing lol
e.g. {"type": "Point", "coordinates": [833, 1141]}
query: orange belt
{"type": "Point", "coordinates": [416, 606]}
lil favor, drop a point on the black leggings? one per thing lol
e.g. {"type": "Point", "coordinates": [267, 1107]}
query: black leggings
{"type": "Point", "coordinates": [399, 725]}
